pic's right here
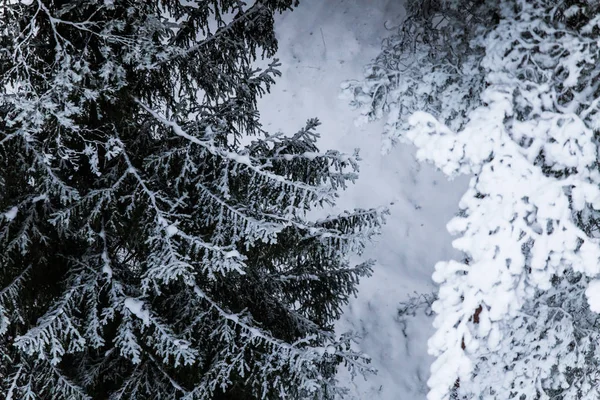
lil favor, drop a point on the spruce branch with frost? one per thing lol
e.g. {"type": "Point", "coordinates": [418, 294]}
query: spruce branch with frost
{"type": "Point", "coordinates": [145, 252]}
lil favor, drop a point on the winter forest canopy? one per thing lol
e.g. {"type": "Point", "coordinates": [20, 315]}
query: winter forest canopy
{"type": "Point", "coordinates": [156, 242]}
{"type": "Point", "coordinates": [508, 93]}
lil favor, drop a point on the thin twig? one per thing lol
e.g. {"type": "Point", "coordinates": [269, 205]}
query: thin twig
{"type": "Point", "coordinates": [323, 37]}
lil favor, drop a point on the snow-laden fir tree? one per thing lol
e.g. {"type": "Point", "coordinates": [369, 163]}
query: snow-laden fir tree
{"type": "Point", "coordinates": [508, 92]}
{"type": "Point", "coordinates": [147, 249]}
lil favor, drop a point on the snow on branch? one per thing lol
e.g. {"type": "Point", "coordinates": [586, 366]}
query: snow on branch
{"type": "Point", "coordinates": [146, 251]}
{"type": "Point", "coordinates": [517, 110]}
{"type": "Point", "coordinates": [320, 192]}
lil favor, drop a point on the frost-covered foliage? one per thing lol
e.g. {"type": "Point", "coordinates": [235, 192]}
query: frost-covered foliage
{"type": "Point", "coordinates": [516, 318]}
{"type": "Point", "coordinates": [145, 253]}
{"type": "Point", "coordinates": [431, 63]}
{"type": "Point", "coordinates": [550, 349]}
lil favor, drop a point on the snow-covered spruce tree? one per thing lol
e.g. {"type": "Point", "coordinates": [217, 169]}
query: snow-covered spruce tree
{"type": "Point", "coordinates": [517, 319]}
{"type": "Point", "coordinates": [145, 252]}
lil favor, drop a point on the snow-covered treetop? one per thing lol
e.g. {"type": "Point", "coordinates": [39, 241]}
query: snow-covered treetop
{"type": "Point", "coordinates": [519, 112]}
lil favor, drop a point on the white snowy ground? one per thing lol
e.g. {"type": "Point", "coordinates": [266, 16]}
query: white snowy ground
{"type": "Point", "coordinates": [322, 43]}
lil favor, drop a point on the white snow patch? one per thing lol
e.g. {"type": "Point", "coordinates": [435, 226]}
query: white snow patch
{"type": "Point", "coordinates": [12, 213]}
{"type": "Point", "coordinates": [233, 254]}
{"type": "Point", "coordinates": [172, 230]}
{"type": "Point", "coordinates": [39, 198]}
{"type": "Point", "coordinates": [593, 295]}
{"type": "Point", "coordinates": [136, 307]}
{"type": "Point", "coordinates": [106, 269]}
